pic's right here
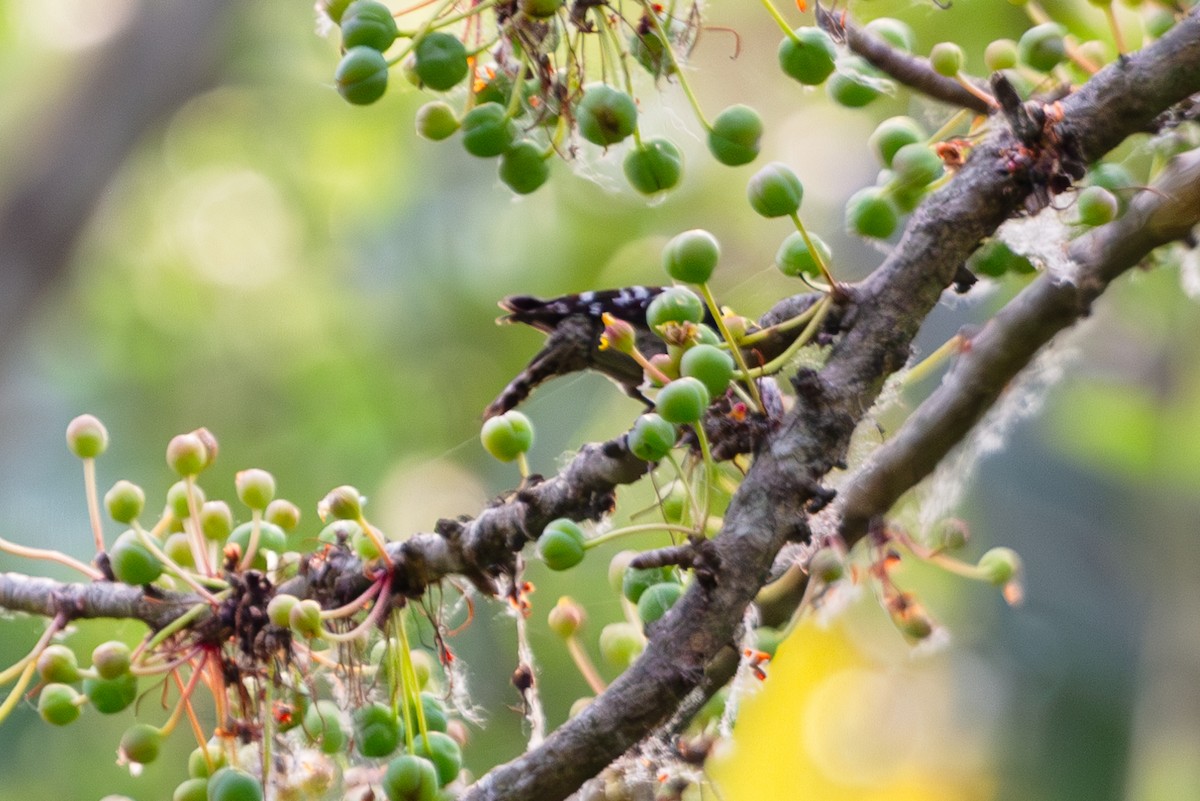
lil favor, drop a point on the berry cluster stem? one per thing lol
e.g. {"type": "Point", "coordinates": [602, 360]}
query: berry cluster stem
{"type": "Point", "coordinates": [734, 349]}
{"type": "Point", "coordinates": [93, 502]}
{"type": "Point", "coordinates": [780, 361]}
{"type": "Point", "coordinates": [640, 528]}
{"type": "Point", "coordinates": [50, 556]}
{"type": "Point", "coordinates": [670, 51]}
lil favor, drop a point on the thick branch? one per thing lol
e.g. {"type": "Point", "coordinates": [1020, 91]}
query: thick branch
{"type": "Point", "coordinates": [47, 597]}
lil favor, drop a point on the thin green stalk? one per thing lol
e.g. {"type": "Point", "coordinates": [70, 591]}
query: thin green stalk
{"type": "Point", "coordinates": [779, 362]}
{"type": "Point", "coordinates": [638, 529]}
{"type": "Point", "coordinates": [670, 51]}
{"type": "Point", "coordinates": [787, 325]}
{"type": "Point", "coordinates": [780, 20]}
{"type": "Point", "coordinates": [816, 254]}
{"type": "Point", "coordinates": [736, 351]}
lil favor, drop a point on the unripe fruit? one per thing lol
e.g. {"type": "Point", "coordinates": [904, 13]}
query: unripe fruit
{"type": "Point", "coordinates": [735, 136]}
{"type": "Point", "coordinates": [132, 562]}
{"type": "Point", "coordinates": [540, 9]}
{"type": "Point", "coordinates": [376, 730]}
{"type": "Point", "coordinates": [620, 644]}
{"type": "Point", "coordinates": [808, 55]}
{"type": "Point", "coordinates": [1000, 55]}
{"type": "Point", "coordinates": [682, 401]}
{"type": "Point", "coordinates": [775, 191]}
{"type": "Point", "coordinates": [891, 135]}
{"type": "Point", "coordinates": [323, 726]}
{"type": "Point", "coordinates": [947, 59]}
{"type": "Point", "coordinates": [112, 659]}
{"type": "Point", "coordinates": [896, 33]}
{"type": "Point", "coordinates": [140, 743]}
{"type": "Point", "coordinates": [1095, 205]}
{"type": "Point", "coordinates": [605, 115]}
{"type": "Point", "coordinates": [255, 487]}
{"type": "Point", "coordinates": [368, 23]}
{"type": "Point", "coordinates": [653, 167]}
{"type": "Point", "coordinates": [561, 544]}
{"type": "Point", "coordinates": [177, 499]}
{"type": "Point", "coordinates": [410, 778]}
{"type": "Point", "coordinates": [916, 165]}
{"type": "Point", "coordinates": [434, 711]}
{"type": "Point", "coordinates": [487, 131]}
{"type": "Point", "coordinates": [206, 760]}
{"type": "Point", "coordinates": [649, 50]}
{"type": "Point", "coordinates": [195, 789]}
{"type": "Point", "coordinates": [691, 256]}
{"type": "Point", "coordinates": [711, 365]}
{"type": "Point", "coordinates": [305, 618]}
{"type": "Point", "coordinates": [282, 513]}
{"type": "Point", "coordinates": [110, 696]}
{"type": "Point", "coordinates": [794, 258]}
{"type": "Point", "coordinates": [436, 121]}
{"type": "Point", "coordinates": [341, 503]}
{"type": "Point", "coordinates": [362, 75]}
{"type": "Point", "coordinates": [334, 9]}
{"type": "Point", "coordinates": [651, 437]}
{"type": "Point", "coordinates": [524, 168]}
{"type": "Point", "coordinates": [999, 565]}
{"type": "Point", "coordinates": [443, 752]}
{"type": "Point", "coordinates": [565, 618]}
{"type": "Point", "coordinates": [507, 436]}
{"type": "Point", "coordinates": [441, 60]}
{"type": "Point", "coordinates": [57, 664]}
{"type": "Point", "coordinates": [869, 213]}
{"type": "Point", "coordinates": [270, 537]}
{"type": "Point", "coordinates": [87, 437]}
{"type": "Point", "coordinates": [124, 501]}
{"type": "Point", "coordinates": [675, 304]}
{"type": "Point", "coordinates": [58, 704]}
{"type": "Point", "coordinates": [231, 784]}
{"type": "Point", "coordinates": [994, 258]}
{"type": "Point", "coordinates": [657, 600]}
{"type": "Point", "coordinates": [853, 85]}
{"type": "Point", "coordinates": [636, 580]}
{"type": "Point", "coordinates": [186, 454]}
{"type": "Point", "coordinates": [1042, 47]}
{"type": "Point", "coordinates": [279, 609]}
{"type": "Point", "coordinates": [340, 532]}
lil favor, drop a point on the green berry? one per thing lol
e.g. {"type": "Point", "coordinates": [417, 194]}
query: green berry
{"type": "Point", "coordinates": [540, 9]}
{"type": "Point", "coordinates": [410, 778]}
{"type": "Point", "coordinates": [523, 167]}
{"type": "Point", "coordinates": [58, 704]}
{"type": "Point", "coordinates": [565, 618]}
{"type": "Point", "coordinates": [282, 513]}
{"type": "Point", "coordinates": [87, 437]}
{"type": "Point", "coordinates": [231, 784]}
{"type": "Point", "coordinates": [341, 503]}
{"type": "Point", "coordinates": [433, 709]}
{"type": "Point", "coordinates": [305, 618]}
{"type": "Point", "coordinates": [334, 9]}
{"type": "Point", "coordinates": [441, 60]}
{"type": "Point", "coordinates": [255, 487]}
{"type": "Point", "coordinates": [216, 519]}
{"type": "Point", "coordinates": [605, 115]}
{"type": "Point", "coordinates": [855, 83]}
{"type": "Point", "coordinates": [110, 696]}
{"type": "Point", "coordinates": [445, 754]}
{"type": "Point", "coordinates": [436, 121]}
{"type": "Point", "coordinates": [870, 213]}
{"type": "Point", "coordinates": [994, 258]}
{"type": "Point", "coordinates": [916, 165]}
{"type": "Point", "coordinates": [891, 135]}
{"type": "Point", "coordinates": [947, 59]}
{"type": "Point", "coordinates": [711, 365]}
{"type": "Point", "coordinates": [648, 48]}
{"type": "Point", "coordinates": [362, 75]}
{"type": "Point", "coordinates": [204, 761]}
{"type": "Point", "coordinates": [736, 135]}
{"type": "Point", "coordinates": [654, 166]}
{"type": "Point", "coordinates": [112, 659]}
{"type": "Point", "coordinates": [195, 789]}
{"type": "Point", "coordinates": [376, 730]}
{"type": "Point", "coordinates": [507, 436]}
{"type": "Point", "coordinates": [140, 743]}
{"type": "Point", "coordinates": [651, 437]}
{"type": "Point", "coordinates": [1095, 205]}
{"type": "Point", "coordinates": [775, 191]}
{"type": "Point", "coordinates": [675, 304]}
{"type": "Point", "coordinates": [132, 562]}
{"type": "Point", "coordinates": [682, 401]}
{"type": "Point", "coordinates": [1000, 565]}
{"type": "Point", "coordinates": [270, 538]}
{"type": "Point", "coordinates": [637, 579]}
{"type": "Point", "coordinates": [487, 130]}
{"type": "Point", "coordinates": [657, 600]}
{"type": "Point", "coordinates": [279, 609]}
{"type": "Point", "coordinates": [808, 55]}
{"type": "Point", "coordinates": [1000, 55]}
{"type": "Point", "coordinates": [323, 726]}
{"type": "Point", "coordinates": [794, 258]}
{"type": "Point", "coordinates": [620, 644]}
{"type": "Point", "coordinates": [1115, 178]}
{"type": "Point", "coordinates": [124, 501]}
{"type": "Point", "coordinates": [369, 24]}
{"type": "Point", "coordinates": [57, 664]}
{"type": "Point", "coordinates": [691, 256]}
{"type": "Point", "coordinates": [1042, 47]}
{"type": "Point", "coordinates": [561, 544]}
{"type": "Point", "coordinates": [177, 499]}
{"type": "Point", "coordinates": [186, 454]}
{"type": "Point", "coordinates": [896, 33]}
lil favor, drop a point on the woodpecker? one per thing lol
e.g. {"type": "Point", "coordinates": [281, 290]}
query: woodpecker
{"type": "Point", "coordinates": [573, 324]}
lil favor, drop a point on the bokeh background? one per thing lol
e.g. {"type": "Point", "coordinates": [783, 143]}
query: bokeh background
{"type": "Point", "coordinates": [196, 230]}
